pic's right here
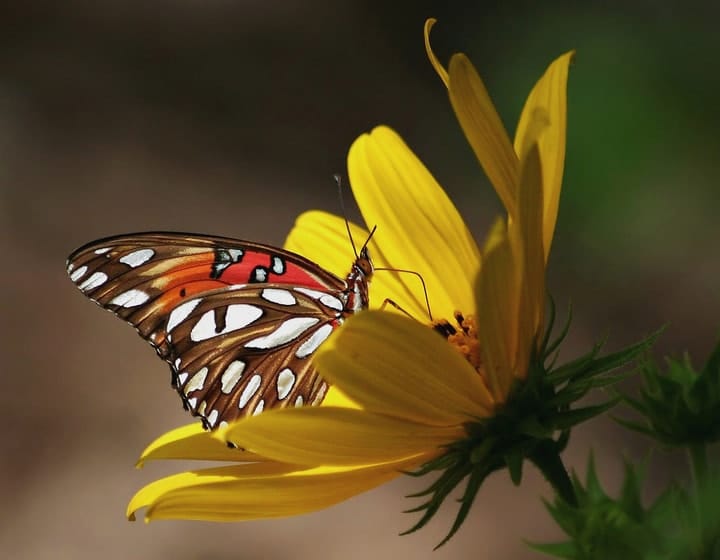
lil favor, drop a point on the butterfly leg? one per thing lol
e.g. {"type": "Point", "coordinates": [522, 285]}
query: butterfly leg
{"type": "Point", "coordinates": [391, 303]}
{"type": "Point", "coordinates": [424, 287]}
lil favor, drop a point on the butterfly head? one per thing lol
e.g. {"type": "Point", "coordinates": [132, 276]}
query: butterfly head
{"type": "Point", "coordinates": [364, 264]}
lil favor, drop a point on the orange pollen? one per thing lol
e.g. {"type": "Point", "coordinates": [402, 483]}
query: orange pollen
{"type": "Point", "coordinates": [463, 337]}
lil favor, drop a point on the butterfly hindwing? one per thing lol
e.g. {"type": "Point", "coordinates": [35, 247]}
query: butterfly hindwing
{"type": "Point", "coordinates": [237, 351]}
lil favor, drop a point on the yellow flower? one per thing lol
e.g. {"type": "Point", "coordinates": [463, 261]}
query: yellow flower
{"type": "Point", "coordinates": [400, 395]}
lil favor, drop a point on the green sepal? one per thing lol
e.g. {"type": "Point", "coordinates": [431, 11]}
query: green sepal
{"type": "Point", "coordinates": [480, 452]}
{"type": "Point", "coordinates": [678, 406]}
{"type": "Point", "coordinates": [442, 487]}
{"type": "Point", "coordinates": [474, 482]}
{"type": "Point", "coordinates": [601, 527]}
{"type": "Point", "coordinates": [570, 418]}
{"type": "Point", "coordinates": [550, 347]}
{"type": "Point", "coordinates": [514, 462]}
{"type": "Point", "coordinates": [533, 424]}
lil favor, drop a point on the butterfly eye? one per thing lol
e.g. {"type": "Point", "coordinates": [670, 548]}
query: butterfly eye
{"type": "Point", "coordinates": [366, 266]}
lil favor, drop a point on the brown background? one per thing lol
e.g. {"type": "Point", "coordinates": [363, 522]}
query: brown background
{"type": "Point", "coordinates": [230, 118]}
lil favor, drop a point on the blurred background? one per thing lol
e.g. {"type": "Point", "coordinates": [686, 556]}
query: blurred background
{"type": "Point", "coordinates": [230, 117]}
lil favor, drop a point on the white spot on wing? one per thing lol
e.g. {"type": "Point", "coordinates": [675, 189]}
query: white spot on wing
{"type": "Point", "coordinates": [259, 408]}
{"type": "Point", "coordinates": [131, 298]}
{"type": "Point", "coordinates": [95, 280]}
{"type": "Point", "coordinates": [102, 250]}
{"type": "Point", "coordinates": [299, 400]}
{"type": "Point", "coordinates": [312, 343]}
{"type": "Point", "coordinates": [237, 316]}
{"type": "Point", "coordinates": [285, 382]}
{"type": "Point", "coordinates": [281, 297]}
{"type": "Point", "coordinates": [249, 390]}
{"type": "Point", "coordinates": [205, 327]}
{"type": "Point", "coordinates": [231, 376]}
{"type": "Point", "coordinates": [287, 331]}
{"type": "Point", "coordinates": [315, 294]}
{"type": "Point", "coordinates": [196, 382]}
{"type": "Point", "coordinates": [136, 258]}
{"type": "Point", "coordinates": [178, 361]}
{"type": "Point", "coordinates": [183, 377]}
{"type": "Point", "coordinates": [79, 273]}
{"type": "Point", "coordinates": [192, 403]}
{"type": "Point", "coordinates": [332, 302]}
{"type": "Point", "coordinates": [325, 298]}
{"type": "Point", "coordinates": [212, 417]}
{"type": "Point", "coordinates": [180, 313]}
{"type": "Point", "coordinates": [278, 266]}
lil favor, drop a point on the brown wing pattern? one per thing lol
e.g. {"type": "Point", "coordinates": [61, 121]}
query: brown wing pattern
{"type": "Point", "coordinates": [141, 277]}
{"type": "Point", "coordinates": [238, 352]}
{"type": "Point", "coordinates": [232, 318]}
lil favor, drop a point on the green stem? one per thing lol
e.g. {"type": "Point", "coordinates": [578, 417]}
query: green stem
{"type": "Point", "coordinates": [698, 463]}
{"type": "Point", "coordinates": [697, 454]}
{"type": "Point", "coordinates": [547, 459]}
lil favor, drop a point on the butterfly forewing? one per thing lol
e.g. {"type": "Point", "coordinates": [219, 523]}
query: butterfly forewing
{"type": "Point", "coordinates": [142, 277]}
{"type": "Point", "coordinates": [237, 321]}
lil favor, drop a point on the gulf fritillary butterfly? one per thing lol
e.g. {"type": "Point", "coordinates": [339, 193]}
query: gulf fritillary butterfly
{"type": "Point", "coordinates": [237, 321]}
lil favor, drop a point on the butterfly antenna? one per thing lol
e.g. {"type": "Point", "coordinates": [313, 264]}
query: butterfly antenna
{"type": "Point", "coordinates": [369, 237]}
{"type": "Point", "coordinates": [338, 181]}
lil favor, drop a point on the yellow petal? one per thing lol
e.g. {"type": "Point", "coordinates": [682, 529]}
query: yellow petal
{"type": "Point", "coordinates": [335, 397]}
{"type": "Point", "coordinates": [195, 443]}
{"type": "Point", "coordinates": [431, 55]}
{"type": "Point", "coordinates": [256, 491]}
{"type": "Point", "coordinates": [531, 314]}
{"type": "Point", "coordinates": [323, 238]}
{"type": "Point", "coordinates": [484, 129]}
{"type": "Point", "coordinates": [419, 229]}
{"type": "Point", "coordinates": [498, 300]}
{"type": "Point", "coordinates": [549, 95]}
{"type": "Point", "coordinates": [337, 436]}
{"type": "Point", "coordinates": [392, 365]}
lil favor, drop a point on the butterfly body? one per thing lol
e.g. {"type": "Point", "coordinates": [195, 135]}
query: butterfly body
{"type": "Point", "coordinates": [237, 321]}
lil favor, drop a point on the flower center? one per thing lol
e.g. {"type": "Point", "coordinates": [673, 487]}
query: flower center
{"type": "Point", "coordinates": [464, 337]}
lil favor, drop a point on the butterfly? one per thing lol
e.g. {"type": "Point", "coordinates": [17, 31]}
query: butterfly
{"type": "Point", "coordinates": [237, 321]}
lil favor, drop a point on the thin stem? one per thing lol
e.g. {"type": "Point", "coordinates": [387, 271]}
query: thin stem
{"type": "Point", "coordinates": [697, 456]}
{"type": "Point", "coordinates": [698, 463]}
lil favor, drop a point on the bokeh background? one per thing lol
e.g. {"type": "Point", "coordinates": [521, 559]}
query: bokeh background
{"type": "Point", "coordinates": [230, 117]}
